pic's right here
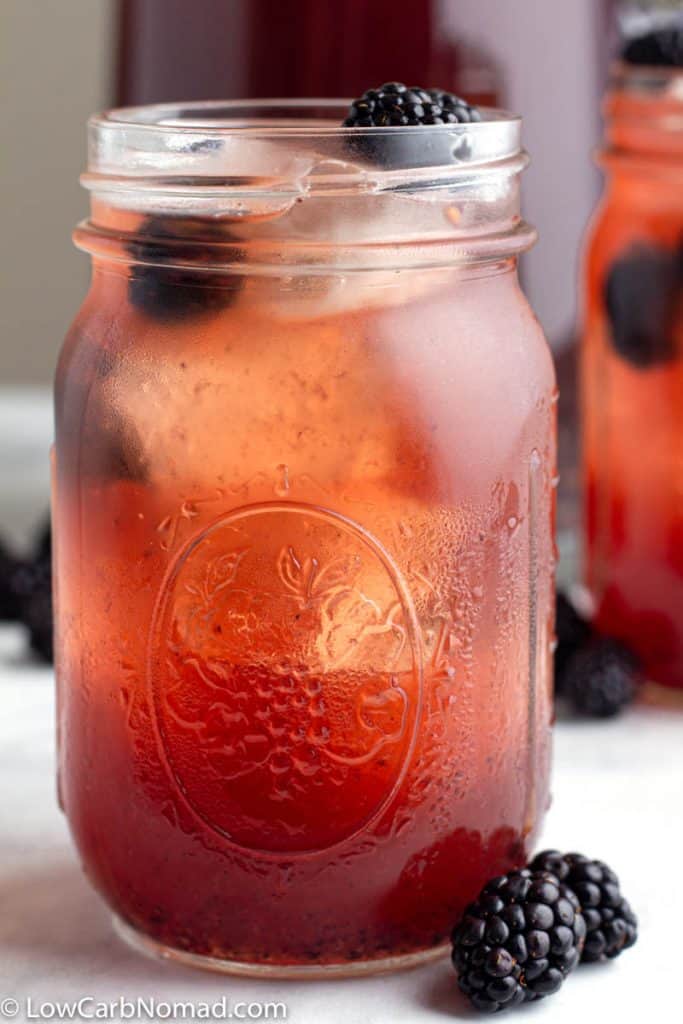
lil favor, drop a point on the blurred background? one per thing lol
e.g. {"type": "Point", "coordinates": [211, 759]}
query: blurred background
{"type": "Point", "coordinates": [63, 59]}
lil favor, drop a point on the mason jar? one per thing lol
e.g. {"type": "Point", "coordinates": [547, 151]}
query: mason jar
{"type": "Point", "coordinates": [303, 492]}
{"type": "Point", "coordinates": [632, 373]}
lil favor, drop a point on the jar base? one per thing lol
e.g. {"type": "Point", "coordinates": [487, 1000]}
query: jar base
{"type": "Point", "coordinates": [157, 950]}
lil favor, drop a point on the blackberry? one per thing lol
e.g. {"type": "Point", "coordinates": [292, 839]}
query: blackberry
{"type": "Point", "coordinates": [519, 940]}
{"type": "Point", "coordinates": [394, 105]}
{"type": "Point", "coordinates": [166, 292]}
{"type": "Point", "coordinates": [30, 577]}
{"type": "Point", "coordinates": [32, 586]}
{"type": "Point", "coordinates": [642, 295]}
{"type": "Point", "coordinates": [611, 925]}
{"type": "Point", "coordinates": [601, 678]}
{"type": "Point", "coordinates": [38, 619]}
{"type": "Point", "coordinates": [9, 605]}
{"type": "Point", "coordinates": [661, 48]}
{"type": "Point", "coordinates": [43, 545]}
{"type": "Point", "coordinates": [572, 632]}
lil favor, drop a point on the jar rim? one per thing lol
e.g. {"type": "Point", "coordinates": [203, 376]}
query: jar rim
{"type": "Point", "coordinates": [254, 163]}
{"type": "Point", "coordinates": [643, 110]}
{"type": "Point", "coordinates": [297, 117]}
{"type": "Point", "coordinates": [267, 145]}
{"type": "Point", "coordinates": [647, 79]}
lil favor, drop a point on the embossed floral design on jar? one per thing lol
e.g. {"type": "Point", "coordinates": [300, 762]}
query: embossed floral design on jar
{"type": "Point", "coordinates": [303, 492]}
{"type": "Point", "coordinates": [284, 667]}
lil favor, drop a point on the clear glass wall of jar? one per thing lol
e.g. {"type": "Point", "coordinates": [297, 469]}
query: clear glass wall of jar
{"type": "Point", "coordinates": [632, 373]}
{"type": "Point", "coordinates": [303, 499]}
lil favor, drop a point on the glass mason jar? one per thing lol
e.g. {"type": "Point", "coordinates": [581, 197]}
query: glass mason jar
{"type": "Point", "coordinates": [632, 374]}
{"type": "Point", "coordinates": [304, 480]}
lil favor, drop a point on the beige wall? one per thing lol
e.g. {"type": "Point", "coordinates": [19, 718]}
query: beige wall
{"type": "Point", "coordinates": [553, 56]}
{"type": "Point", "coordinates": [55, 59]}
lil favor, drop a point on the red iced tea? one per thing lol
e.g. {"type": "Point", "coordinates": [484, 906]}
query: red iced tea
{"type": "Point", "coordinates": [304, 559]}
{"type": "Point", "coordinates": [633, 376]}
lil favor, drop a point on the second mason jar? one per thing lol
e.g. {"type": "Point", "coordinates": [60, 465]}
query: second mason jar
{"type": "Point", "coordinates": [632, 380]}
{"type": "Point", "coordinates": [303, 497]}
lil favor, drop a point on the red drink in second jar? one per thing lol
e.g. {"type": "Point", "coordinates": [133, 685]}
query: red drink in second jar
{"type": "Point", "coordinates": [633, 377]}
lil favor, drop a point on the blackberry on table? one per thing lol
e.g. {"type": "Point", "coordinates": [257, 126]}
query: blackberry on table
{"type": "Point", "coordinates": [611, 925]}
{"type": "Point", "coordinates": [37, 616]}
{"type": "Point", "coordinates": [32, 585]}
{"type": "Point", "coordinates": [572, 632]}
{"type": "Point", "coordinates": [601, 678]}
{"type": "Point", "coordinates": [518, 941]}
{"type": "Point", "coordinates": [642, 295]}
{"type": "Point", "coordinates": [9, 605]}
{"type": "Point", "coordinates": [661, 48]}
{"type": "Point", "coordinates": [30, 577]}
{"type": "Point", "coordinates": [26, 593]}
{"type": "Point", "coordinates": [166, 292]}
{"type": "Point", "coordinates": [43, 545]}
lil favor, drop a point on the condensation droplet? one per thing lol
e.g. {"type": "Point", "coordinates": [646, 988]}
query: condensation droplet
{"type": "Point", "coordinates": [282, 486]}
{"type": "Point", "coordinates": [166, 530]}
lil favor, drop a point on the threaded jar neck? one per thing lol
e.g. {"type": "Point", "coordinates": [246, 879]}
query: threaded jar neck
{"type": "Point", "coordinates": [643, 112]}
{"type": "Point", "coordinates": [281, 181]}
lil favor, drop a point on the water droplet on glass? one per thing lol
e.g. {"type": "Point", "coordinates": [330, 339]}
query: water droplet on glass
{"type": "Point", "coordinates": [282, 486]}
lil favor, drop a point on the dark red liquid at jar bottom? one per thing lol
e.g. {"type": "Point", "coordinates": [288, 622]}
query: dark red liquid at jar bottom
{"type": "Point", "coordinates": [304, 619]}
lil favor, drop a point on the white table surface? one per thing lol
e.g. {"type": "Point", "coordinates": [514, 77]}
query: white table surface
{"type": "Point", "coordinates": [618, 790]}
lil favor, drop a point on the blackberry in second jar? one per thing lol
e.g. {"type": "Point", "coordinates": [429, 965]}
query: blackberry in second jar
{"type": "Point", "coordinates": [661, 48]}
{"type": "Point", "coordinates": [643, 294]}
{"type": "Point", "coordinates": [166, 292]}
